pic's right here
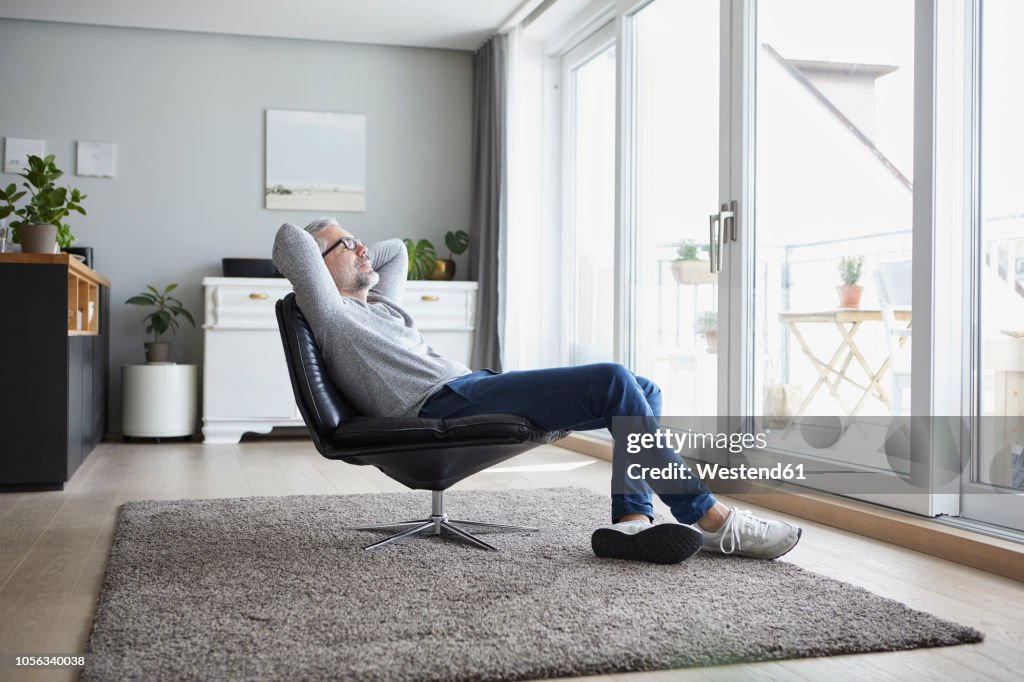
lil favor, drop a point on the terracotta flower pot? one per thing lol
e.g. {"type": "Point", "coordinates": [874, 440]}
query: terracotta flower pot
{"type": "Point", "coordinates": [849, 295]}
{"type": "Point", "coordinates": [711, 339]}
{"type": "Point", "coordinates": [38, 238]}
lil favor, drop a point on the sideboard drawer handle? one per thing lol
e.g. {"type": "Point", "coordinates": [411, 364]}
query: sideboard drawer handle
{"type": "Point", "coordinates": [258, 297]}
{"type": "Point", "coordinates": [430, 298]}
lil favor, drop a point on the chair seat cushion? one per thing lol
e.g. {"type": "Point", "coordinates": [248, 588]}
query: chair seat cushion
{"type": "Point", "coordinates": [364, 432]}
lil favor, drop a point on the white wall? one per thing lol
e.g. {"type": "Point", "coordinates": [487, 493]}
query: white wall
{"type": "Point", "coordinates": [187, 113]}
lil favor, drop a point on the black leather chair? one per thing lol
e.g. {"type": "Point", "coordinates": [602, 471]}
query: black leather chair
{"type": "Point", "coordinates": [423, 454]}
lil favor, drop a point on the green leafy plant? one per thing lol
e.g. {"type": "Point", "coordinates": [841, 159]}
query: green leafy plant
{"type": "Point", "coordinates": [707, 321]}
{"type": "Point", "coordinates": [47, 204]}
{"type": "Point", "coordinates": [168, 309]}
{"type": "Point", "coordinates": [457, 242]}
{"type": "Point", "coordinates": [421, 258]}
{"type": "Point", "coordinates": [690, 250]}
{"type": "Point", "coordinates": [850, 269]}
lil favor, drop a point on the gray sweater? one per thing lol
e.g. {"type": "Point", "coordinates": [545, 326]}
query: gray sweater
{"type": "Point", "coordinates": [373, 351]}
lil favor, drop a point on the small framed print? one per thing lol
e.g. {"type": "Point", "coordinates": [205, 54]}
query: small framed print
{"type": "Point", "coordinates": [17, 150]}
{"type": "Point", "coordinates": [97, 159]}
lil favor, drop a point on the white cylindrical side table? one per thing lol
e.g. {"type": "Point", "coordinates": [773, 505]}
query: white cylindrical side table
{"type": "Point", "coordinates": [158, 400]}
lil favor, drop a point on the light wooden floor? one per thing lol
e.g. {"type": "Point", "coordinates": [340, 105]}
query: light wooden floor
{"type": "Point", "coordinates": [54, 545]}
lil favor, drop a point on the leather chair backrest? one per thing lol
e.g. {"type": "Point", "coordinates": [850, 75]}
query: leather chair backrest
{"type": "Point", "coordinates": [324, 408]}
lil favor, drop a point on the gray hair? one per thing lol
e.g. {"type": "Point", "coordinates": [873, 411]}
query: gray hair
{"type": "Point", "coordinates": [315, 227]}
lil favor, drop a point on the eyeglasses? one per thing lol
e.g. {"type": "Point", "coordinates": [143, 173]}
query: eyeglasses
{"type": "Point", "coordinates": [349, 243]}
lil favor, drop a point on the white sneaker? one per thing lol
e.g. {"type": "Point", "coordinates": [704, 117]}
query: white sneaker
{"type": "Point", "coordinates": [640, 540]}
{"type": "Point", "coordinates": [744, 534]}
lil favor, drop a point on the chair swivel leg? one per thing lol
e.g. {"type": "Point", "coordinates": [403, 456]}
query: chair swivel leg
{"type": "Point", "coordinates": [499, 526]}
{"type": "Point", "coordinates": [438, 524]}
{"type": "Point", "coordinates": [396, 536]}
{"type": "Point", "coordinates": [467, 536]}
{"type": "Point", "coordinates": [396, 524]}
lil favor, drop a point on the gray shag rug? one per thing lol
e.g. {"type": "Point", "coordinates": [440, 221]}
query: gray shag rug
{"type": "Point", "coordinates": [275, 588]}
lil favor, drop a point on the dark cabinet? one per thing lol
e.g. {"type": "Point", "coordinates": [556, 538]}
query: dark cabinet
{"type": "Point", "coordinates": [53, 386]}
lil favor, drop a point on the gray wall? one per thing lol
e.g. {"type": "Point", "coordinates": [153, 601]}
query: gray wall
{"type": "Point", "coordinates": [187, 113]}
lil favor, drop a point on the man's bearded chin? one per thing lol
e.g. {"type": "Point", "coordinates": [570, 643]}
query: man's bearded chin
{"type": "Point", "coordinates": [364, 281]}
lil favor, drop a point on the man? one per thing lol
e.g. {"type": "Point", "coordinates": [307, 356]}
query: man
{"type": "Point", "coordinates": [351, 294]}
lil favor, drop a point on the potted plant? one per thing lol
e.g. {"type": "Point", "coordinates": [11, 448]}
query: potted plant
{"type": "Point", "coordinates": [689, 267]}
{"type": "Point", "coordinates": [40, 229]}
{"type": "Point", "coordinates": [444, 268]}
{"type": "Point", "coordinates": [707, 326]}
{"type": "Point", "coordinates": [850, 270]}
{"type": "Point", "coordinates": [422, 258]}
{"type": "Point", "coordinates": [161, 320]}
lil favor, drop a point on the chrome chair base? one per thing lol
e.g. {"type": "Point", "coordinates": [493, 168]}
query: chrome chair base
{"type": "Point", "coordinates": [437, 524]}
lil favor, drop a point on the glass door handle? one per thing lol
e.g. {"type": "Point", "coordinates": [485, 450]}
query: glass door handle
{"type": "Point", "coordinates": [714, 242]}
{"type": "Point", "coordinates": [721, 226]}
{"type": "Point", "coordinates": [728, 215]}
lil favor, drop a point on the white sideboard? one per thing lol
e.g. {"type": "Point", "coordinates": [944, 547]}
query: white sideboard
{"type": "Point", "coordinates": [245, 379]}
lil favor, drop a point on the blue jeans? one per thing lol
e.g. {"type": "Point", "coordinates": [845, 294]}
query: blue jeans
{"type": "Point", "coordinates": [579, 399]}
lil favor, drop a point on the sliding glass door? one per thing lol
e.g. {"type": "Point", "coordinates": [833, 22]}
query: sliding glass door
{"type": "Point", "coordinates": [747, 229]}
{"type": "Point", "coordinates": [833, 212]}
{"type": "Point", "coordinates": [672, 170]}
{"type": "Point", "coordinates": [829, 247]}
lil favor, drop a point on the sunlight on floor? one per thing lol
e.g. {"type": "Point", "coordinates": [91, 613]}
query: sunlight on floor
{"type": "Point", "coordinates": [558, 466]}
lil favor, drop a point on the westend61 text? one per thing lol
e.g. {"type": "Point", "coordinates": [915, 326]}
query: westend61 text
{"type": "Point", "coordinates": [677, 472]}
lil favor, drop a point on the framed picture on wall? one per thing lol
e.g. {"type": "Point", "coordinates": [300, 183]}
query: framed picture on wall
{"type": "Point", "coordinates": [316, 161]}
{"type": "Point", "coordinates": [97, 159]}
{"type": "Point", "coordinates": [17, 151]}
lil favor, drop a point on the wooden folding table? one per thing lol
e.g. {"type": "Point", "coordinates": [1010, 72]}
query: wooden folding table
{"type": "Point", "coordinates": [847, 321]}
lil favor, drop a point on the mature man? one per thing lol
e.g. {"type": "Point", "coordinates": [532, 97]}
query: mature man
{"type": "Point", "coordinates": [351, 294]}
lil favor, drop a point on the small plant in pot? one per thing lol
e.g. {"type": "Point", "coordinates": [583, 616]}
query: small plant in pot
{"type": "Point", "coordinates": [689, 267]}
{"type": "Point", "coordinates": [161, 320]}
{"type": "Point", "coordinates": [444, 268]}
{"type": "Point", "coordinates": [850, 270]}
{"type": "Point", "coordinates": [40, 227]}
{"type": "Point", "coordinates": [422, 258]}
{"type": "Point", "coordinates": [707, 326]}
